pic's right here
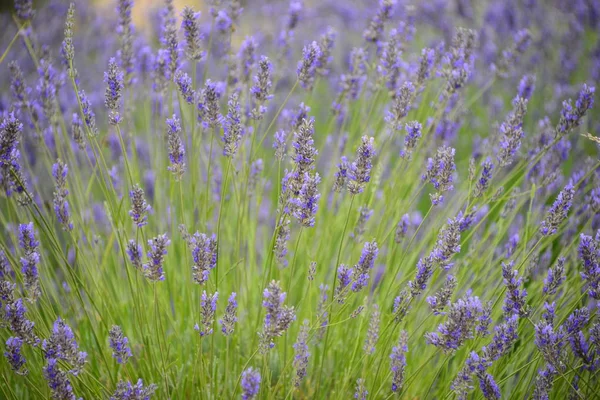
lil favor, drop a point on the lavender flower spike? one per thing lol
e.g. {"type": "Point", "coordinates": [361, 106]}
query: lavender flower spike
{"type": "Point", "coordinates": [398, 361]}
{"type": "Point", "coordinates": [127, 391]}
{"type": "Point", "coordinates": [376, 26]}
{"type": "Point", "coordinates": [14, 356]}
{"type": "Point", "coordinates": [61, 205]}
{"type": "Point", "coordinates": [204, 253]}
{"type": "Point", "coordinates": [139, 208]}
{"type": "Point", "coordinates": [558, 212]}
{"type": "Point", "coordinates": [250, 383]}
{"type": "Point", "coordinates": [230, 318]}
{"type": "Point", "coordinates": [278, 318]}
{"type": "Point", "coordinates": [301, 357]}
{"type": "Point", "coordinates": [233, 128]}
{"type": "Point", "coordinates": [29, 263]}
{"type": "Point", "coordinates": [440, 171]}
{"type": "Point", "coordinates": [114, 89]}
{"type": "Point", "coordinates": [307, 67]}
{"type": "Point", "coordinates": [208, 307]}
{"type": "Point", "coordinates": [119, 344]}
{"type": "Point", "coordinates": [261, 91]}
{"type": "Point", "coordinates": [360, 275]}
{"type": "Point", "coordinates": [153, 269]}
{"type": "Point", "coordinates": [307, 201]}
{"type": "Point", "coordinates": [191, 31]}
{"type": "Point", "coordinates": [570, 117]}
{"type": "Point", "coordinates": [176, 149]}
{"type": "Point", "coordinates": [61, 345]}
{"type": "Point", "coordinates": [360, 170]}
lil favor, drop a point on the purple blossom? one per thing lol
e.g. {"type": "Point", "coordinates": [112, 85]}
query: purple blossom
{"type": "Point", "coordinates": [301, 354]}
{"type": "Point", "coordinates": [440, 173]}
{"type": "Point", "coordinates": [278, 317]}
{"type": "Point", "coordinates": [153, 269]}
{"type": "Point", "coordinates": [360, 271]}
{"type": "Point", "coordinates": [184, 85]}
{"type": "Point", "coordinates": [230, 317]}
{"type": "Point", "coordinates": [515, 302]}
{"type": "Point", "coordinates": [359, 172]}
{"type": "Point", "coordinates": [398, 361]}
{"type": "Point", "coordinates": [233, 129]}
{"type": "Point", "coordinates": [14, 357]}
{"type": "Point", "coordinates": [114, 90]}
{"type": "Point", "coordinates": [61, 345]}
{"type": "Point", "coordinates": [250, 383]}
{"type": "Point", "coordinates": [204, 253]}
{"type": "Point", "coordinates": [558, 212]}
{"type": "Point", "coordinates": [208, 308]}
{"type": "Point", "coordinates": [307, 67]}
{"type": "Point", "coordinates": [119, 344]}
{"type": "Point", "coordinates": [30, 261]}
{"type": "Point", "coordinates": [61, 205]}
{"type": "Point", "coordinates": [139, 207]}
{"type": "Point", "coordinates": [176, 149]}
{"type": "Point", "coordinates": [570, 117]}
{"type": "Point", "coordinates": [127, 391]}
{"type": "Point", "coordinates": [191, 32]}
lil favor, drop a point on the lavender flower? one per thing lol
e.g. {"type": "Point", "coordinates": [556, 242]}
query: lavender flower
{"type": "Point", "coordinates": [61, 345]}
{"type": "Point", "coordinates": [364, 214]}
{"type": "Point", "coordinates": [280, 144]}
{"type": "Point", "coordinates": [402, 102]}
{"type": "Point", "coordinates": [440, 171]}
{"type": "Point", "coordinates": [390, 62]}
{"type": "Point", "coordinates": [262, 88]}
{"type": "Point", "coordinates": [6, 271]}
{"type": "Point", "coordinates": [301, 354]}
{"type": "Point", "coordinates": [134, 251]}
{"type": "Point", "coordinates": [359, 172]}
{"type": "Point", "coordinates": [67, 49]}
{"type": "Point", "coordinates": [12, 314]}
{"type": "Point", "coordinates": [304, 152]}
{"type": "Point", "coordinates": [61, 205]}
{"type": "Point", "coordinates": [184, 85]}
{"type": "Point", "coordinates": [526, 86]}
{"type": "Point", "coordinates": [307, 67]}
{"type": "Point", "coordinates": [487, 168]}
{"type": "Point", "coordinates": [169, 39]}
{"type": "Point", "coordinates": [88, 114]}
{"type": "Point", "coordinates": [76, 131]}
{"type": "Point", "coordinates": [281, 240]}
{"type": "Point", "coordinates": [505, 335]}
{"type": "Point", "coordinates": [425, 66]}
{"type": "Point", "coordinates": [360, 272]}
{"type": "Point", "coordinates": [208, 105]}
{"type": "Point", "coordinates": [119, 344]}
{"type": "Point", "coordinates": [448, 242]}
{"type": "Point", "coordinates": [11, 176]}
{"type": "Point", "coordinates": [14, 356]}
{"type": "Point", "coordinates": [208, 307]}
{"type": "Point", "coordinates": [589, 255]}
{"type": "Point", "coordinates": [512, 132]}
{"type": "Point", "coordinates": [139, 208]}
{"type": "Point", "coordinates": [153, 269]}
{"type": "Point", "coordinates": [191, 31]}
{"type": "Point", "coordinates": [556, 276]}
{"type": "Point", "coordinates": [510, 56]}
{"type": "Point", "coordinates": [376, 25]}
{"type": "Point", "coordinates": [278, 318]}
{"type": "Point", "coordinates": [398, 362]}
{"type": "Point", "coordinates": [353, 81]}
{"type": "Point", "coordinates": [551, 344]}
{"type": "Point", "coordinates": [125, 30]}
{"type": "Point", "coordinates": [306, 204]}
{"type": "Point", "coordinates": [326, 43]}
{"type": "Point", "coordinates": [58, 381]}
{"type": "Point", "coordinates": [232, 126]}
{"type": "Point", "coordinates": [344, 277]}
{"type": "Point", "coordinates": [24, 9]}
{"type": "Point", "coordinates": [230, 317]}
{"type": "Point", "coordinates": [424, 271]}
{"type": "Point", "coordinates": [29, 263]}
{"type": "Point", "coordinates": [361, 390]}
{"type": "Point", "coordinates": [570, 118]}
{"type": "Point", "coordinates": [114, 88]}
{"type": "Point", "coordinates": [204, 253]}
{"type": "Point", "coordinates": [440, 300]}
{"type": "Point", "coordinates": [341, 175]}
{"type": "Point", "coordinates": [558, 212]}
{"type": "Point", "coordinates": [127, 391]}
{"type": "Point", "coordinates": [514, 302]}
{"type": "Point", "coordinates": [373, 331]}
{"type": "Point", "coordinates": [176, 149]}
{"type": "Point", "coordinates": [247, 58]}
{"type": "Point", "coordinates": [250, 383]}
{"type": "Point", "coordinates": [413, 134]}
{"type": "Point", "coordinates": [459, 327]}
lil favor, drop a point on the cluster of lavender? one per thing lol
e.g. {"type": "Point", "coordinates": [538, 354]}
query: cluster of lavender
{"type": "Point", "coordinates": [380, 141]}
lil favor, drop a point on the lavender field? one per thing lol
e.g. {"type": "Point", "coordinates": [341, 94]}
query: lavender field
{"type": "Point", "coordinates": [393, 199]}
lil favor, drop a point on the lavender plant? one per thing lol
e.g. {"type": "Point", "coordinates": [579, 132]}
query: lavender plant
{"type": "Point", "coordinates": [363, 178]}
